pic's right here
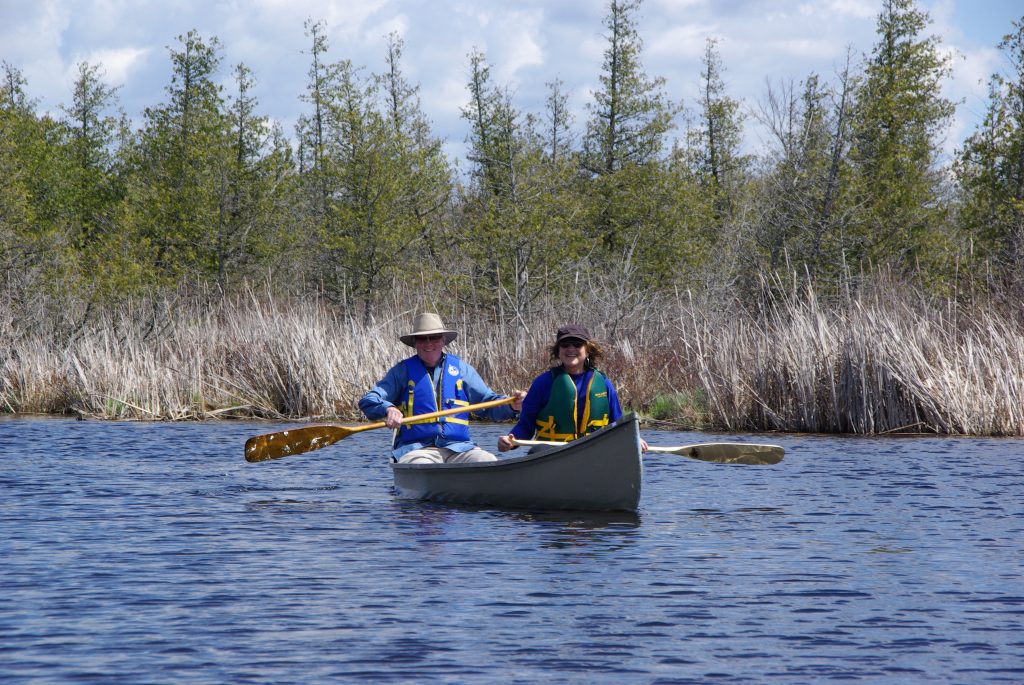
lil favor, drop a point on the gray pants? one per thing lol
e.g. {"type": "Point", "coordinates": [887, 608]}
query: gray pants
{"type": "Point", "coordinates": [443, 455]}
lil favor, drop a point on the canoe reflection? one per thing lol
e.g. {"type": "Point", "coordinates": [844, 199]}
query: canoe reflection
{"type": "Point", "coordinates": [430, 515]}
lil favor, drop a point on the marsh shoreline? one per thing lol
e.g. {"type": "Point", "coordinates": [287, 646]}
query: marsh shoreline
{"type": "Point", "coordinates": [881, 364]}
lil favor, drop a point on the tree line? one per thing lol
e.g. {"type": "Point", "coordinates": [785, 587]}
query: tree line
{"type": "Point", "coordinates": [208, 196]}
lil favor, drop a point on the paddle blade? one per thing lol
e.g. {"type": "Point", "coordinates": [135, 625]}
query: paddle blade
{"type": "Point", "coordinates": [294, 441]}
{"type": "Point", "coordinates": [728, 453]}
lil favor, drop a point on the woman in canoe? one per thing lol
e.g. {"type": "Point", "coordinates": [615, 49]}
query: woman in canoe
{"type": "Point", "coordinates": [429, 381]}
{"type": "Point", "coordinates": [570, 399]}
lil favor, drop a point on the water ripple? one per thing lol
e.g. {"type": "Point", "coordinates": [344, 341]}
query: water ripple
{"type": "Point", "coordinates": [153, 553]}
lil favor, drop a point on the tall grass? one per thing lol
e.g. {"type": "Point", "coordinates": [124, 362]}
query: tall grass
{"type": "Point", "coordinates": [874, 366]}
{"type": "Point", "coordinates": [886, 362]}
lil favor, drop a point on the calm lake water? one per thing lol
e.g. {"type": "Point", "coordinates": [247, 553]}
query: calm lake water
{"type": "Point", "coordinates": [153, 553]}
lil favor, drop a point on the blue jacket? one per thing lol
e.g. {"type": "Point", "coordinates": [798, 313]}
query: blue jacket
{"type": "Point", "coordinates": [393, 391]}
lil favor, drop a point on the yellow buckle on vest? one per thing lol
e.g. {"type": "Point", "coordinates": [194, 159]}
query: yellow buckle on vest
{"type": "Point", "coordinates": [546, 431]}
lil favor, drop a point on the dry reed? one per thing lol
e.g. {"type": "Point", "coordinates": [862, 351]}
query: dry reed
{"type": "Point", "coordinates": [870, 365]}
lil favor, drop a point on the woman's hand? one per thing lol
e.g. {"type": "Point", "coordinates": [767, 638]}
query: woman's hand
{"type": "Point", "coordinates": [506, 443]}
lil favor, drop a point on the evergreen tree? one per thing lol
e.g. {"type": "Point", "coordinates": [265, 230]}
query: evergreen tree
{"type": "Point", "coordinates": [991, 173]}
{"type": "Point", "coordinates": [559, 139]}
{"type": "Point", "coordinates": [630, 115]}
{"type": "Point", "coordinates": [720, 164]}
{"type": "Point", "coordinates": [899, 117]}
{"type": "Point", "coordinates": [35, 248]}
{"type": "Point", "coordinates": [800, 204]}
{"type": "Point", "coordinates": [107, 267]}
{"type": "Point", "coordinates": [310, 128]}
{"type": "Point", "coordinates": [20, 131]}
{"type": "Point", "coordinates": [517, 232]}
{"type": "Point", "coordinates": [382, 176]}
{"type": "Point", "coordinates": [255, 184]}
{"type": "Point", "coordinates": [94, 188]}
{"type": "Point", "coordinates": [182, 159]}
{"type": "Point", "coordinates": [492, 120]}
{"type": "Point", "coordinates": [631, 197]}
{"type": "Point", "coordinates": [488, 235]}
{"type": "Point", "coordinates": [423, 188]}
{"type": "Point", "coordinates": [426, 187]}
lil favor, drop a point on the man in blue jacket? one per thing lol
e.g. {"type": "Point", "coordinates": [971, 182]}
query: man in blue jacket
{"type": "Point", "coordinates": [430, 381]}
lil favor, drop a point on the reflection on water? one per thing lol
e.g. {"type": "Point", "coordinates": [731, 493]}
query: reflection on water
{"type": "Point", "coordinates": [153, 553]}
{"type": "Point", "coordinates": [583, 520]}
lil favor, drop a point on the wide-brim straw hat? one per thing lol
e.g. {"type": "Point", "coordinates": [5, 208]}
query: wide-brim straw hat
{"type": "Point", "coordinates": [427, 324]}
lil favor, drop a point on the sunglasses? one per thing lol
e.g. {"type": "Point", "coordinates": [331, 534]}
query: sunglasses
{"type": "Point", "coordinates": [428, 338]}
{"type": "Point", "coordinates": [571, 343]}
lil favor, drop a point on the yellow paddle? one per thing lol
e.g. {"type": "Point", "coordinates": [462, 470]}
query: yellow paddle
{"type": "Point", "coordinates": [717, 452]}
{"type": "Point", "coordinates": [308, 438]}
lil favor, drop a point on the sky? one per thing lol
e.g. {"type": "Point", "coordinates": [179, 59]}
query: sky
{"type": "Point", "coordinates": [528, 43]}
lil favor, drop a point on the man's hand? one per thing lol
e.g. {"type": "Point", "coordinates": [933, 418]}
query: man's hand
{"type": "Point", "coordinates": [519, 396]}
{"type": "Point", "coordinates": [393, 418]}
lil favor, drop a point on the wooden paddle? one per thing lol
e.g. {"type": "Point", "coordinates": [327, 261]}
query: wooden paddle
{"type": "Point", "coordinates": [308, 438]}
{"type": "Point", "coordinates": [727, 452]}
{"type": "Point", "coordinates": [716, 452]}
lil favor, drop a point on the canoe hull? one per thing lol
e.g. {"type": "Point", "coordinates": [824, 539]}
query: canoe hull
{"type": "Point", "coordinates": [600, 472]}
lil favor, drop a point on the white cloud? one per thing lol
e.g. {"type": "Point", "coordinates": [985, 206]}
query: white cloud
{"type": "Point", "coordinates": [859, 9]}
{"type": "Point", "coordinates": [446, 99]}
{"type": "Point", "coordinates": [30, 36]}
{"type": "Point", "coordinates": [518, 44]}
{"type": "Point", "coordinates": [117, 63]}
{"type": "Point", "coordinates": [33, 27]}
{"type": "Point", "coordinates": [687, 41]}
{"type": "Point", "coordinates": [398, 24]}
{"type": "Point", "coordinates": [527, 42]}
{"type": "Point", "coordinates": [677, 7]}
{"type": "Point", "coordinates": [968, 88]}
{"type": "Point", "coordinates": [805, 48]}
{"type": "Point", "coordinates": [975, 69]}
{"type": "Point", "coordinates": [334, 12]}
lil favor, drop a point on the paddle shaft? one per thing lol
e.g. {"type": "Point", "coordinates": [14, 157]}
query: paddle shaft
{"type": "Point", "coordinates": [308, 438]}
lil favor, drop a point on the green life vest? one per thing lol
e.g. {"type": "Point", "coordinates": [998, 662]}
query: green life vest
{"type": "Point", "coordinates": [558, 419]}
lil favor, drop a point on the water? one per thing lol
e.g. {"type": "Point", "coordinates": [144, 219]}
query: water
{"type": "Point", "coordinates": [153, 553]}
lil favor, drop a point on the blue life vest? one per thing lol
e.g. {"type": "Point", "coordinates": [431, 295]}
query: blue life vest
{"type": "Point", "coordinates": [424, 398]}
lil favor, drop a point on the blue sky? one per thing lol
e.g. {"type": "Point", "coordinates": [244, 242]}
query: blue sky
{"type": "Point", "coordinates": [527, 42]}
